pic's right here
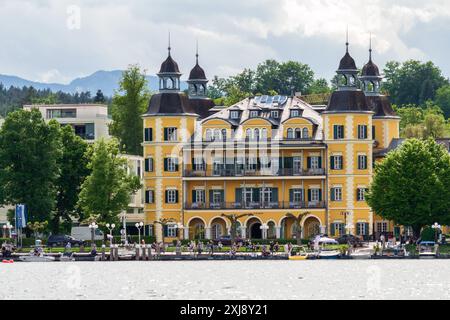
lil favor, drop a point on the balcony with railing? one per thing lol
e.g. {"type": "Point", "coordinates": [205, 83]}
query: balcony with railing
{"type": "Point", "coordinates": [255, 205]}
{"type": "Point", "coordinates": [264, 172]}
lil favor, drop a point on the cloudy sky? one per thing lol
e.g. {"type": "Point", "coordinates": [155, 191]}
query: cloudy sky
{"type": "Point", "coordinates": [58, 40]}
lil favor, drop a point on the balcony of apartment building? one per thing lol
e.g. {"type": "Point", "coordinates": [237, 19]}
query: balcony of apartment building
{"type": "Point", "coordinates": [255, 205]}
{"type": "Point", "coordinates": [257, 167]}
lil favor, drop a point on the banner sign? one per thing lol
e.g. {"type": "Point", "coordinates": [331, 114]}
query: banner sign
{"type": "Point", "coordinates": [21, 216]}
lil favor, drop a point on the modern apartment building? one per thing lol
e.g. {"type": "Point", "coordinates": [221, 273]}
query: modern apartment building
{"type": "Point", "coordinates": [90, 121]}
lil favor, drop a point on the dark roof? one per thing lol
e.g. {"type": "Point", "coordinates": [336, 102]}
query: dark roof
{"type": "Point", "coordinates": [381, 106]}
{"type": "Point", "coordinates": [370, 70]}
{"type": "Point", "coordinates": [348, 101]}
{"type": "Point", "coordinates": [197, 73]}
{"type": "Point", "coordinates": [396, 143]}
{"type": "Point", "coordinates": [170, 103]}
{"type": "Point", "coordinates": [169, 66]}
{"type": "Point", "coordinates": [347, 63]}
{"type": "Point", "coordinates": [202, 107]}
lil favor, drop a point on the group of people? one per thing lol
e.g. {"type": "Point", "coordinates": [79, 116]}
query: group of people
{"type": "Point", "coordinates": [7, 250]}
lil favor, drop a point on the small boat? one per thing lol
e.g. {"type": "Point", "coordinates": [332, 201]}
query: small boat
{"type": "Point", "coordinates": [329, 254]}
{"type": "Point", "coordinates": [362, 254]}
{"type": "Point", "coordinates": [36, 258]}
{"type": "Point", "coordinates": [428, 250]}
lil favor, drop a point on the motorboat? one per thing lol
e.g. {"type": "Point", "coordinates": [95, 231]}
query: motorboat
{"type": "Point", "coordinates": [428, 250]}
{"type": "Point", "coordinates": [300, 253]}
{"type": "Point", "coordinates": [37, 258]}
{"type": "Point", "coordinates": [362, 254]}
{"type": "Point", "coordinates": [328, 254]}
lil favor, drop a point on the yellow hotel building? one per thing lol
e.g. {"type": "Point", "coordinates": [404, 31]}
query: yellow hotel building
{"type": "Point", "coordinates": [268, 156]}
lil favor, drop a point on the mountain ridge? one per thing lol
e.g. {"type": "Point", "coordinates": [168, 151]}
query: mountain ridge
{"type": "Point", "coordinates": [107, 81]}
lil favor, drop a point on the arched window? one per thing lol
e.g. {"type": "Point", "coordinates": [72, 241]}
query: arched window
{"type": "Point", "coordinates": [264, 134]}
{"type": "Point", "coordinates": [208, 135]}
{"type": "Point", "coordinates": [256, 135]}
{"type": "Point", "coordinates": [216, 135]}
{"type": "Point", "coordinates": [305, 134]}
{"type": "Point", "coordinates": [248, 134]}
{"type": "Point", "coordinates": [290, 133]}
{"type": "Point", "coordinates": [298, 133]}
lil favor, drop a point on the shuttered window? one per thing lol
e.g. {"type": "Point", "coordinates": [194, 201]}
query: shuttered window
{"type": "Point", "coordinates": [148, 135]}
{"type": "Point", "coordinates": [338, 132]}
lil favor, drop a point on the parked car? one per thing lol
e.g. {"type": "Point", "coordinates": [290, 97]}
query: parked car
{"type": "Point", "coordinates": [349, 238]}
{"type": "Point", "coordinates": [62, 240]}
{"type": "Point", "coordinates": [85, 233]}
{"type": "Point", "coordinates": [226, 240]}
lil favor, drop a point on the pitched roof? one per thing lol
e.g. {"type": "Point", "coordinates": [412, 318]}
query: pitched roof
{"type": "Point", "coordinates": [347, 101]}
{"type": "Point", "coordinates": [170, 103]}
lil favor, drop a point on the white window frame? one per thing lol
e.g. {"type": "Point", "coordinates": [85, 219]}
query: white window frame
{"type": "Point", "coordinates": [234, 114]}
{"type": "Point", "coordinates": [382, 226]}
{"type": "Point", "coordinates": [361, 194]}
{"type": "Point", "coordinates": [172, 164]}
{"type": "Point", "coordinates": [254, 114]}
{"type": "Point", "coordinates": [297, 195]}
{"type": "Point", "coordinates": [315, 195]}
{"type": "Point", "coordinates": [171, 196]}
{"type": "Point", "coordinates": [247, 192]}
{"type": "Point", "coordinates": [362, 229]}
{"type": "Point", "coordinates": [337, 193]}
{"type": "Point", "coordinates": [362, 132]}
{"type": "Point", "coordinates": [216, 197]}
{"type": "Point", "coordinates": [199, 164]}
{"type": "Point", "coordinates": [266, 195]}
{"type": "Point", "coordinates": [274, 114]}
{"type": "Point", "coordinates": [172, 231]}
{"type": "Point", "coordinates": [338, 159]}
{"type": "Point", "coordinates": [297, 165]}
{"type": "Point", "coordinates": [315, 162]}
{"type": "Point", "coordinates": [200, 196]}
{"type": "Point", "coordinates": [362, 162]}
{"type": "Point", "coordinates": [295, 113]}
{"type": "Point", "coordinates": [172, 134]}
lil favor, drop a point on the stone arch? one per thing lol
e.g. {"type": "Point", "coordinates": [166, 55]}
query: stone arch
{"type": "Point", "coordinates": [311, 226]}
{"type": "Point", "coordinates": [272, 231]}
{"type": "Point", "coordinates": [253, 225]}
{"type": "Point", "coordinates": [218, 227]}
{"type": "Point", "coordinates": [286, 225]}
{"type": "Point", "coordinates": [197, 228]}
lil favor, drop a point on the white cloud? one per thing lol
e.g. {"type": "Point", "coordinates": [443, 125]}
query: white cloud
{"type": "Point", "coordinates": [233, 34]}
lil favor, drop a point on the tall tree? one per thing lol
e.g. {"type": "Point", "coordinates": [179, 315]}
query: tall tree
{"type": "Point", "coordinates": [73, 164]}
{"type": "Point", "coordinates": [128, 105]}
{"type": "Point", "coordinates": [412, 185]}
{"type": "Point", "coordinates": [107, 190]}
{"type": "Point", "coordinates": [29, 153]}
{"type": "Point", "coordinates": [443, 100]}
{"type": "Point", "coordinates": [99, 97]}
{"type": "Point", "coordinates": [412, 82]}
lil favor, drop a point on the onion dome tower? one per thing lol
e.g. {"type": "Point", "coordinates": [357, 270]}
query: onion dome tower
{"type": "Point", "coordinates": [347, 122]}
{"type": "Point", "coordinates": [385, 120]}
{"type": "Point", "coordinates": [198, 86]}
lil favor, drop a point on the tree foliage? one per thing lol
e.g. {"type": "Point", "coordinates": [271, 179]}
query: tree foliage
{"type": "Point", "coordinates": [412, 185]}
{"type": "Point", "coordinates": [412, 82]}
{"type": "Point", "coordinates": [73, 165]}
{"type": "Point", "coordinates": [107, 190]}
{"type": "Point", "coordinates": [128, 105]}
{"type": "Point", "coordinates": [29, 153]}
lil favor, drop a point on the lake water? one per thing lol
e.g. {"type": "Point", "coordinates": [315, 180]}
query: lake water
{"type": "Point", "coordinates": [381, 279]}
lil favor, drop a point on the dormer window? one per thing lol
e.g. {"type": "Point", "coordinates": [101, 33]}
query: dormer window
{"type": "Point", "coordinates": [234, 114]}
{"type": "Point", "coordinates": [274, 114]}
{"type": "Point", "coordinates": [254, 114]}
{"type": "Point", "coordinates": [295, 113]}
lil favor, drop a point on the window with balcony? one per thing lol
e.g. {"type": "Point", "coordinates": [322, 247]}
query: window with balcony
{"type": "Point", "coordinates": [296, 196]}
{"type": "Point", "coordinates": [199, 164]}
{"type": "Point", "coordinates": [315, 195]}
{"type": "Point", "coordinates": [315, 162]}
{"type": "Point", "coordinates": [198, 196]}
{"type": "Point", "coordinates": [297, 165]}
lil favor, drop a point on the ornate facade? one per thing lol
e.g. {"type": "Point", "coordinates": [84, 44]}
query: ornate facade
{"type": "Point", "coordinates": [264, 158]}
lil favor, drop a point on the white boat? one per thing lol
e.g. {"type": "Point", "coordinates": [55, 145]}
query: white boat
{"type": "Point", "coordinates": [362, 254]}
{"type": "Point", "coordinates": [36, 258]}
{"type": "Point", "coordinates": [329, 254]}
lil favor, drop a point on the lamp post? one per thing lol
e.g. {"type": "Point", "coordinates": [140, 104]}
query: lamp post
{"type": "Point", "coordinates": [264, 227]}
{"type": "Point", "coordinates": [93, 226]}
{"type": "Point", "coordinates": [139, 227]}
{"type": "Point", "coordinates": [110, 228]}
{"type": "Point", "coordinates": [437, 227]}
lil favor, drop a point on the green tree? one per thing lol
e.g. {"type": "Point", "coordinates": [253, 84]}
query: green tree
{"type": "Point", "coordinates": [319, 86]}
{"type": "Point", "coordinates": [442, 99]}
{"type": "Point", "coordinates": [73, 165]}
{"type": "Point", "coordinates": [412, 185]}
{"type": "Point", "coordinates": [412, 82]}
{"type": "Point", "coordinates": [99, 97]}
{"type": "Point", "coordinates": [434, 126]}
{"type": "Point", "coordinates": [107, 190]}
{"type": "Point", "coordinates": [128, 105]}
{"type": "Point", "coordinates": [29, 153]}
{"type": "Point", "coordinates": [298, 225]}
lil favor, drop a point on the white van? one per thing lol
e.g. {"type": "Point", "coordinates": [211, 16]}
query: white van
{"type": "Point", "coordinates": [85, 233]}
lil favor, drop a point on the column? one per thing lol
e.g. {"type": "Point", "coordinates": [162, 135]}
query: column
{"type": "Point", "coordinates": [208, 233]}
{"type": "Point", "coordinates": [186, 233]}
{"type": "Point", "coordinates": [244, 232]}
{"type": "Point", "coordinates": [278, 232]}
{"type": "Point", "coordinates": [264, 233]}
